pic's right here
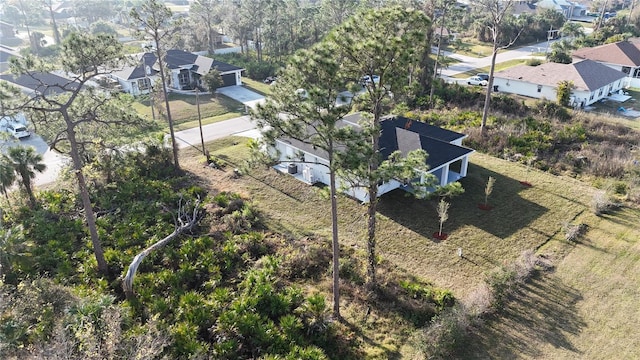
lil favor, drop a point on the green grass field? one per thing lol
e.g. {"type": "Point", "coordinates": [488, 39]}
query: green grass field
{"type": "Point", "coordinates": [499, 66]}
{"type": "Point", "coordinates": [586, 304]}
{"type": "Point", "coordinates": [184, 109]}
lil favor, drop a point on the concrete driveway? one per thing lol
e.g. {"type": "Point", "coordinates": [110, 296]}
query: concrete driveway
{"type": "Point", "coordinates": [241, 94]}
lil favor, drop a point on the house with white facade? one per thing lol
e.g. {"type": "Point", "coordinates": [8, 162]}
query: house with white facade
{"type": "Point", "coordinates": [592, 81]}
{"type": "Point", "coordinates": [448, 159]}
{"type": "Point", "coordinates": [185, 70]}
{"type": "Point", "coordinates": [622, 56]}
{"type": "Point", "coordinates": [569, 9]}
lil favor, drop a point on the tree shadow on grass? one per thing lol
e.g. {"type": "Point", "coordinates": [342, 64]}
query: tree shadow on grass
{"type": "Point", "coordinates": [509, 211]}
{"type": "Point", "coordinates": [542, 313]}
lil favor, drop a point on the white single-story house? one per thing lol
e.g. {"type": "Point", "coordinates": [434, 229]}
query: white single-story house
{"type": "Point", "coordinates": [185, 70]}
{"type": "Point", "coordinates": [622, 56]}
{"type": "Point", "coordinates": [448, 160]}
{"type": "Point", "coordinates": [568, 8]}
{"type": "Point", "coordinates": [592, 81]}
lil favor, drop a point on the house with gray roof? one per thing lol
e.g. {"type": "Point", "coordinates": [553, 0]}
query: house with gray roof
{"type": "Point", "coordinates": [622, 56]}
{"type": "Point", "coordinates": [185, 70]}
{"type": "Point", "coordinates": [592, 81]}
{"type": "Point", "coordinates": [41, 83]}
{"type": "Point", "coordinates": [569, 9]}
{"type": "Point", "coordinates": [447, 160]}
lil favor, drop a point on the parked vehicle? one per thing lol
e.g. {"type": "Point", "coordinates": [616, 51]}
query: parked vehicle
{"type": "Point", "coordinates": [366, 80]}
{"type": "Point", "coordinates": [483, 76]}
{"type": "Point", "coordinates": [18, 131]}
{"type": "Point", "coordinates": [476, 80]}
{"type": "Point", "coordinates": [270, 79]}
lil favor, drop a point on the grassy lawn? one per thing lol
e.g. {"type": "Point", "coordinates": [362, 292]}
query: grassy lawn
{"type": "Point", "coordinates": [587, 308]}
{"type": "Point", "coordinates": [471, 48]}
{"type": "Point", "coordinates": [554, 317]}
{"type": "Point", "coordinates": [499, 66]}
{"type": "Point", "coordinates": [185, 112]}
{"type": "Point", "coordinates": [257, 86]}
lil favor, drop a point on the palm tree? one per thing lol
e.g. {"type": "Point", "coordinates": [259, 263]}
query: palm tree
{"type": "Point", "coordinates": [7, 175]}
{"type": "Point", "coordinates": [26, 162]}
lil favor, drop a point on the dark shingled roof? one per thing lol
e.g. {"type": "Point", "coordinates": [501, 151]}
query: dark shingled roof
{"type": "Point", "coordinates": [400, 133]}
{"type": "Point", "coordinates": [41, 82]}
{"type": "Point", "coordinates": [138, 71]}
{"type": "Point", "coordinates": [174, 59]}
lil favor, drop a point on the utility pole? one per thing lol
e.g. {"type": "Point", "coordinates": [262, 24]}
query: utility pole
{"type": "Point", "coordinates": [435, 67]}
{"type": "Point", "coordinates": [204, 151]}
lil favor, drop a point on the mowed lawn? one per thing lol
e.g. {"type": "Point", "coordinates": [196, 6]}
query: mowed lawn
{"type": "Point", "coordinates": [184, 109]}
{"type": "Point", "coordinates": [586, 308]}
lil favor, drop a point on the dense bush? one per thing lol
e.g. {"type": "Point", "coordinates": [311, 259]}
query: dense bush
{"type": "Point", "coordinates": [256, 70]}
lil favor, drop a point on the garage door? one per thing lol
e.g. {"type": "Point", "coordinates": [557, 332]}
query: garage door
{"type": "Point", "coordinates": [229, 79]}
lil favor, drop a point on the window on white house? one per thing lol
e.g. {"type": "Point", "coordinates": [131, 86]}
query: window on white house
{"type": "Point", "coordinates": [600, 92]}
{"type": "Point", "coordinates": [183, 78]}
{"type": "Point", "coordinates": [539, 88]}
{"type": "Point", "coordinates": [144, 84]}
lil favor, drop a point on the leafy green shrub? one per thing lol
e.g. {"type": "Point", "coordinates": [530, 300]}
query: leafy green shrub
{"type": "Point", "coordinates": [533, 62]}
{"type": "Point", "coordinates": [441, 298]}
{"type": "Point", "coordinates": [549, 109]}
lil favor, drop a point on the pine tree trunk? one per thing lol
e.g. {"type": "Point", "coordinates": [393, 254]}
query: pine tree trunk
{"type": "Point", "coordinates": [335, 244]}
{"type": "Point", "coordinates": [174, 145]}
{"type": "Point", "coordinates": [86, 203]}
{"type": "Point", "coordinates": [487, 98]}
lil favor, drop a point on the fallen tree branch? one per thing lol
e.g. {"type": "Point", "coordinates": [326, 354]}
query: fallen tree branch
{"type": "Point", "coordinates": [184, 221]}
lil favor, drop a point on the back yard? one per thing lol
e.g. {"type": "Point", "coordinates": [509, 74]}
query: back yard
{"type": "Point", "coordinates": [568, 313]}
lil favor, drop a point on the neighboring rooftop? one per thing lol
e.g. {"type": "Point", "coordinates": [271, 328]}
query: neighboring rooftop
{"type": "Point", "coordinates": [41, 82]}
{"type": "Point", "coordinates": [586, 75]}
{"type": "Point", "coordinates": [621, 53]}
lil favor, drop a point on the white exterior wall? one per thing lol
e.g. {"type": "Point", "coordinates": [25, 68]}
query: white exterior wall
{"type": "Point", "coordinates": [318, 169]}
{"type": "Point", "coordinates": [524, 88]}
{"type": "Point", "coordinates": [547, 92]}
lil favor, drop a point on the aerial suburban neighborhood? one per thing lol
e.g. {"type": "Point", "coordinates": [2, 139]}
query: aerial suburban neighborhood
{"type": "Point", "coordinates": [319, 179]}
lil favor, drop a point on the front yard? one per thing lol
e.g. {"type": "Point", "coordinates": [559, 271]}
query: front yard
{"type": "Point", "coordinates": [184, 110]}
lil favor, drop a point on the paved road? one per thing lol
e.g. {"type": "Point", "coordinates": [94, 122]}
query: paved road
{"type": "Point", "coordinates": [242, 126]}
{"type": "Point", "coordinates": [468, 63]}
{"type": "Point", "coordinates": [54, 161]}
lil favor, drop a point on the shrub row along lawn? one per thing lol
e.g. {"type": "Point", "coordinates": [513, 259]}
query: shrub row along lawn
{"type": "Point", "coordinates": [521, 218]}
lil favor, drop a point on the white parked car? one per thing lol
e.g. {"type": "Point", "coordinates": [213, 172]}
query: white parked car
{"type": "Point", "coordinates": [18, 131]}
{"type": "Point", "coordinates": [366, 80]}
{"type": "Point", "coordinates": [476, 80]}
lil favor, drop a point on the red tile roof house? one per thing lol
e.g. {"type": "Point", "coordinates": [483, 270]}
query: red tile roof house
{"type": "Point", "coordinates": [185, 69]}
{"type": "Point", "coordinates": [592, 81]}
{"type": "Point", "coordinates": [622, 56]}
{"type": "Point", "coordinates": [448, 160]}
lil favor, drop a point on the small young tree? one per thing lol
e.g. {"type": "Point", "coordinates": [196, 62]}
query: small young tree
{"type": "Point", "coordinates": [564, 92]}
{"type": "Point", "coordinates": [213, 81]}
{"type": "Point", "coordinates": [488, 189]}
{"type": "Point", "coordinates": [443, 214]}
